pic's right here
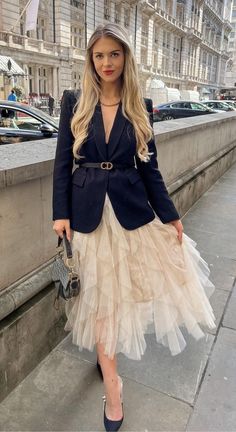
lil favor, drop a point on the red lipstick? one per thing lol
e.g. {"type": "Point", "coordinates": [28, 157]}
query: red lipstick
{"type": "Point", "coordinates": [108, 72]}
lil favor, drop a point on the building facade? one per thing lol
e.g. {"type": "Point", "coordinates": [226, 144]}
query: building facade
{"type": "Point", "coordinates": [231, 69]}
{"type": "Point", "coordinates": [183, 43]}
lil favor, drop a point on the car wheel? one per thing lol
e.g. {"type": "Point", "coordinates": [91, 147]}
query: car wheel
{"type": "Point", "coordinates": [168, 117]}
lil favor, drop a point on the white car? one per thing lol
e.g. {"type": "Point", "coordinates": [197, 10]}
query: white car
{"type": "Point", "coordinates": [230, 103]}
{"type": "Point", "coordinates": [218, 105]}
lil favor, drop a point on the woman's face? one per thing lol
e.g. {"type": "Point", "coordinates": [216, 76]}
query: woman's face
{"type": "Point", "coordinates": [108, 59]}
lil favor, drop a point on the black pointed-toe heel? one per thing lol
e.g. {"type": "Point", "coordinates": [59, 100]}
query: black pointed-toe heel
{"type": "Point", "coordinates": [113, 425]}
{"type": "Point", "coordinates": [99, 370]}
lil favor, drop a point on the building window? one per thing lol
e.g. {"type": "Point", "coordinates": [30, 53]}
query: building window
{"type": "Point", "coordinates": [169, 6]}
{"type": "Point", "coordinates": [144, 26]}
{"type": "Point", "coordinates": [176, 54]}
{"type": "Point", "coordinates": [107, 9]}
{"type": "Point", "coordinates": [76, 79]}
{"type": "Point", "coordinates": [41, 29]}
{"type": "Point", "coordinates": [155, 60]}
{"type": "Point", "coordinates": [77, 4]}
{"type": "Point", "coordinates": [117, 13]}
{"type": "Point", "coordinates": [180, 13]}
{"type": "Point", "coordinates": [155, 35]}
{"type": "Point", "coordinates": [43, 80]}
{"type": "Point", "coordinates": [77, 37]}
{"type": "Point", "coordinates": [126, 17]}
{"type": "Point", "coordinates": [22, 25]}
{"type": "Point", "coordinates": [166, 39]}
{"type": "Point", "coordinates": [143, 56]}
{"type": "Point", "coordinates": [30, 71]}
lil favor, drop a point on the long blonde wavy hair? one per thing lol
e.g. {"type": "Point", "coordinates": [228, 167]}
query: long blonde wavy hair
{"type": "Point", "coordinates": [133, 105]}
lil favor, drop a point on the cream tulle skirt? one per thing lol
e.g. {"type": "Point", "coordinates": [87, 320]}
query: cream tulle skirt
{"type": "Point", "coordinates": [137, 282]}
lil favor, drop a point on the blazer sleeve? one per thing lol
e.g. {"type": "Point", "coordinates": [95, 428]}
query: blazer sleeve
{"type": "Point", "coordinates": [62, 172]}
{"type": "Point", "coordinates": [157, 192]}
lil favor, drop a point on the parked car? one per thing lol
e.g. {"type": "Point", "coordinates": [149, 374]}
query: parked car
{"type": "Point", "coordinates": [20, 122]}
{"type": "Point", "coordinates": [218, 105]}
{"type": "Point", "coordinates": [230, 103]}
{"type": "Point", "coordinates": [179, 109]}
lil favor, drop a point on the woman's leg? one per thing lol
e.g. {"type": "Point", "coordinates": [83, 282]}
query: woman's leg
{"type": "Point", "coordinates": [111, 383]}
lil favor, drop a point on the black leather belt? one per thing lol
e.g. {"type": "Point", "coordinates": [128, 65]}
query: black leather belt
{"type": "Point", "coordinates": [104, 165]}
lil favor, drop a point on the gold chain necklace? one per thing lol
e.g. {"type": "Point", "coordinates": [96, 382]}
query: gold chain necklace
{"type": "Point", "coordinates": [109, 105]}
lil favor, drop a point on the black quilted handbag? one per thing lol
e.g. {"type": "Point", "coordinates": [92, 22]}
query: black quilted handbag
{"type": "Point", "coordinates": [64, 274]}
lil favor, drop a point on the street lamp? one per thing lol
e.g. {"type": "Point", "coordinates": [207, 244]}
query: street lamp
{"type": "Point", "coordinates": [9, 66]}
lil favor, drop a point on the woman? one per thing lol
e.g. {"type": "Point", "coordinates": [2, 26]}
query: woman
{"type": "Point", "coordinates": [138, 271]}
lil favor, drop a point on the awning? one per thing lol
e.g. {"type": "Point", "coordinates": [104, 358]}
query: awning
{"type": "Point", "coordinates": [206, 91]}
{"type": "Point", "coordinates": [13, 69]}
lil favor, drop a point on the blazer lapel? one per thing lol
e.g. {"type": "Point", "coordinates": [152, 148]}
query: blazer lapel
{"type": "Point", "coordinates": [116, 131]}
{"type": "Point", "coordinates": [99, 132]}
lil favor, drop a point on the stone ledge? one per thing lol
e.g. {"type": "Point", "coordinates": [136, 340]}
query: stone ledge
{"type": "Point", "coordinates": [24, 289]}
{"type": "Point", "coordinates": [190, 175]}
{"type": "Point", "coordinates": [26, 161]}
{"type": "Point", "coordinates": [27, 336]}
{"type": "Point", "coordinates": [34, 159]}
{"type": "Point", "coordinates": [174, 128]}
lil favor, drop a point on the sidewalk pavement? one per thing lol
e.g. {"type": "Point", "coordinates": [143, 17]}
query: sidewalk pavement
{"type": "Point", "coordinates": [193, 391]}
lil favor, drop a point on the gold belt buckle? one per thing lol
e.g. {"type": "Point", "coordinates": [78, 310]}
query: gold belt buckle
{"type": "Point", "coordinates": [106, 165]}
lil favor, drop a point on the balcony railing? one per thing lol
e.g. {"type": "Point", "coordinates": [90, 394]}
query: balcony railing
{"type": "Point", "coordinates": [217, 13]}
{"type": "Point", "coordinates": [169, 19]}
{"type": "Point", "coordinates": [21, 42]}
{"type": "Point", "coordinates": [195, 34]}
{"type": "Point", "coordinates": [211, 46]}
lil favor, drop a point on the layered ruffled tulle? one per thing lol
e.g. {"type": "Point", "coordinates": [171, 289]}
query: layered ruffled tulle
{"type": "Point", "coordinates": [137, 282]}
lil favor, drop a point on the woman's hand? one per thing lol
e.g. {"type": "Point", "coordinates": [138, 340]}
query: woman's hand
{"type": "Point", "coordinates": [179, 227]}
{"type": "Point", "coordinates": [61, 225]}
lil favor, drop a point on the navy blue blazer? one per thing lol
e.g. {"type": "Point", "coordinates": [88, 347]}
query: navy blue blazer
{"type": "Point", "coordinates": [135, 193]}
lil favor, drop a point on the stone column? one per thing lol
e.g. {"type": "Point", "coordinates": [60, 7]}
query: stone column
{"type": "Point", "coordinates": [184, 56]}
{"type": "Point", "coordinates": [36, 80]}
{"type": "Point", "coordinates": [54, 83]}
{"type": "Point", "coordinates": [26, 80]}
{"type": "Point", "coordinates": [150, 42]}
{"type": "Point", "coordinates": [138, 37]}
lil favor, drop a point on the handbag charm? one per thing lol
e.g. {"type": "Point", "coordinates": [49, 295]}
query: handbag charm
{"type": "Point", "coordinates": [64, 273]}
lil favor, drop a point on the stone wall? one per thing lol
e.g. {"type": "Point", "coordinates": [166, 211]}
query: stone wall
{"type": "Point", "coordinates": [192, 154]}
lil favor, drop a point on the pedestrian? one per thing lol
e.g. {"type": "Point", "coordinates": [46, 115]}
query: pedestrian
{"type": "Point", "coordinates": [12, 96]}
{"type": "Point", "coordinates": [139, 272]}
{"type": "Point", "coordinates": [51, 102]}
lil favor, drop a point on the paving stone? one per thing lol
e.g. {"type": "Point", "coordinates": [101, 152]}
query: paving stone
{"type": "Point", "coordinates": [222, 244]}
{"type": "Point", "coordinates": [177, 376]}
{"type": "Point", "coordinates": [206, 223]}
{"type": "Point", "coordinates": [230, 315]}
{"type": "Point", "coordinates": [223, 189]}
{"type": "Point", "coordinates": [213, 205]}
{"type": "Point", "coordinates": [218, 301]}
{"type": "Point", "coordinates": [231, 171]}
{"type": "Point", "coordinates": [64, 394]}
{"type": "Point", "coordinates": [215, 406]}
{"type": "Point", "coordinates": [223, 270]}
